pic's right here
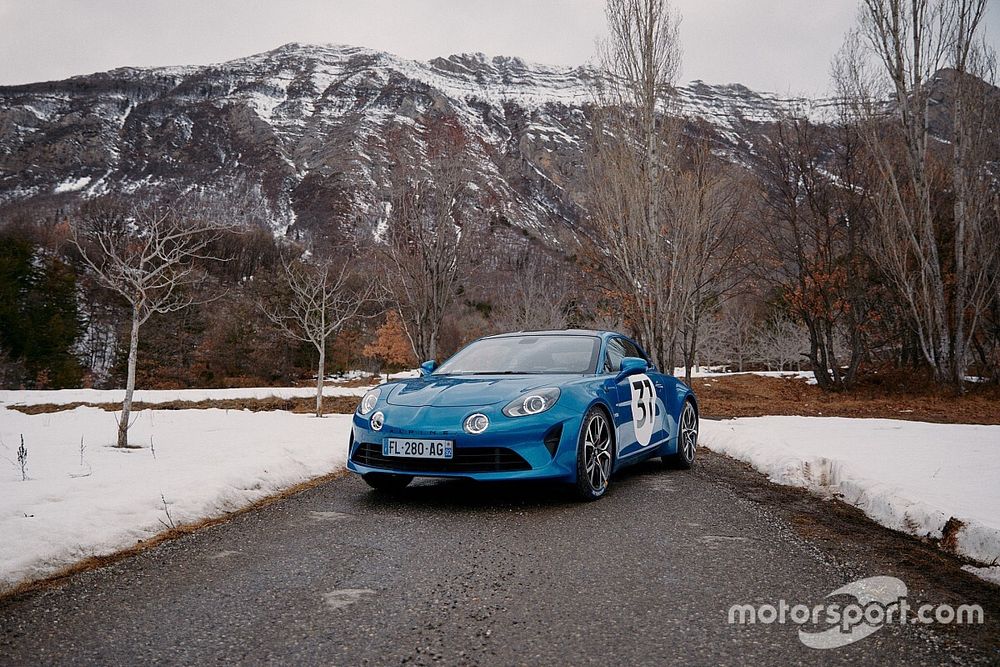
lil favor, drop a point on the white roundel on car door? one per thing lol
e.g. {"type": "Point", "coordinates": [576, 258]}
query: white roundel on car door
{"type": "Point", "coordinates": [643, 408]}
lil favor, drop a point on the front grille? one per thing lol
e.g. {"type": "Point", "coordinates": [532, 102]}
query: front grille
{"type": "Point", "coordinates": [466, 459]}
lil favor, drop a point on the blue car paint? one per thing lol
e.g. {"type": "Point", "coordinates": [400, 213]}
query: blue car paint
{"type": "Point", "coordinates": [436, 406]}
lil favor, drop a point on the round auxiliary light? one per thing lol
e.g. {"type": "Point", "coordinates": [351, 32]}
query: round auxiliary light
{"type": "Point", "coordinates": [476, 423]}
{"type": "Point", "coordinates": [378, 419]}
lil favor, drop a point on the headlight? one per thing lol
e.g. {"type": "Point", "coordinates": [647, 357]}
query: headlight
{"type": "Point", "coordinates": [532, 403]}
{"type": "Point", "coordinates": [476, 424]}
{"type": "Point", "coordinates": [368, 401]}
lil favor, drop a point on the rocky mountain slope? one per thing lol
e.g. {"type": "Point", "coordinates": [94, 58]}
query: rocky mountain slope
{"type": "Point", "coordinates": [312, 127]}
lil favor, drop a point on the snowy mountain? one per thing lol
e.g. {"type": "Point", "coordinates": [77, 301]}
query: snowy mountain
{"type": "Point", "coordinates": [309, 125]}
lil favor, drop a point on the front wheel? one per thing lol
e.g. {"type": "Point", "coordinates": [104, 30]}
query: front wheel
{"type": "Point", "coordinates": [593, 455]}
{"type": "Point", "coordinates": [384, 481]}
{"type": "Point", "coordinates": [687, 439]}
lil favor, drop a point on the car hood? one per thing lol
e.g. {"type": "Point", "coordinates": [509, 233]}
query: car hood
{"type": "Point", "coordinates": [453, 391]}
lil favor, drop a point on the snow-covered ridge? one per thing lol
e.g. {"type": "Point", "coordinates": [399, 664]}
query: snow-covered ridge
{"type": "Point", "coordinates": [493, 79]}
{"type": "Point", "coordinates": [308, 125]}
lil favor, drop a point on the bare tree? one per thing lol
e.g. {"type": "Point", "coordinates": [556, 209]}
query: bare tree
{"type": "Point", "coordinates": [711, 343]}
{"type": "Point", "coordinates": [737, 336]}
{"type": "Point", "coordinates": [780, 342]}
{"type": "Point", "coordinates": [936, 223]}
{"type": "Point", "coordinates": [321, 302]}
{"type": "Point", "coordinates": [536, 298]}
{"type": "Point", "coordinates": [428, 236]}
{"type": "Point", "coordinates": [706, 204]}
{"type": "Point", "coordinates": [149, 255]}
{"type": "Point", "coordinates": [987, 345]}
{"type": "Point", "coordinates": [812, 222]}
{"type": "Point", "coordinates": [632, 144]}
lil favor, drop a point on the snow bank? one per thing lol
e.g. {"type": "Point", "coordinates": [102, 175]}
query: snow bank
{"type": "Point", "coordinates": [909, 476]}
{"type": "Point", "coordinates": [64, 396]}
{"type": "Point", "coordinates": [206, 462]}
{"type": "Point", "coordinates": [988, 573]}
{"type": "Point", "coordinates": [717, 372]}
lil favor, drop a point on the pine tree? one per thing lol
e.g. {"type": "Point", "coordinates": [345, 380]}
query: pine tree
{"type": "Point", "coordinates": [39, 319]}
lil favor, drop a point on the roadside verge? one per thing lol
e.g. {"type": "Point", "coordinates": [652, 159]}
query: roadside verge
{"type": "Point", "coordinates": [934, 481]}
{"type": "Point", "coordinates": [81, 498]}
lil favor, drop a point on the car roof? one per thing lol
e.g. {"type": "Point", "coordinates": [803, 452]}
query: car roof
{"type": "Point", "coordinates": [560, 332]}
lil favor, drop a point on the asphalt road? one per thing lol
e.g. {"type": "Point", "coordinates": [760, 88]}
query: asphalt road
{"type": "Point", "coordinates": [457, 573]}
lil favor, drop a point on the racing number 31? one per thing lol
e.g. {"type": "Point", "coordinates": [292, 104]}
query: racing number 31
{"type": "Point", "coordinates": [643, 408]}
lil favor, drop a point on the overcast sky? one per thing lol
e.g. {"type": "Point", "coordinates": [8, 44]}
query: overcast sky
{"type": "Point", "coordinates": [776, 45]}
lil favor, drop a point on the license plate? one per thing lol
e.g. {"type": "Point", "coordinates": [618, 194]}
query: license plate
{"type": "Point", "coordinates": [417, 448]}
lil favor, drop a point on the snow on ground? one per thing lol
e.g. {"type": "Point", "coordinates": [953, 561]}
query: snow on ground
{"type": "Point", "coordinates": [909, 476]}
{"type": "Point", "coordinates": [991, 573]}
{"type": "Point", "coordinates": [72, 185]}
{"type": "Point", "coordinates": [716, 372]}
{"type": "Point", "coordinates": [64, 396]}
{"type": "Point", "coordinates": [207, 462]}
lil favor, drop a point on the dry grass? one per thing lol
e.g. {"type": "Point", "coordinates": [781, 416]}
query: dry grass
{"type": "Point", "coordinates": [363, 381]}
{"type": "Point", "coordinates": [890, 397]}
{"type": "Point", "coordinates": [886, 396]}
{"type": "Point", "coordinates": [358, 382]}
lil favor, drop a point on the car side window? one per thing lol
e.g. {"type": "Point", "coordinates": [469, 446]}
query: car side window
{"type": "Point", "coordinates": [631, 350]}
{"type": "Point", "coordinates": [614, 355]}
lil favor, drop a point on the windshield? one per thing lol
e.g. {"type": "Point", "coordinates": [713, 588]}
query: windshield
{"type": "Point", "coordinates": [533, 354]}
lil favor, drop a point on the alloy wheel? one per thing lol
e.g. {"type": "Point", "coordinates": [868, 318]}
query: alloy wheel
{"type": "Point", "coordinates": [689, 433]}
{"type": "Point", "coordinates": [597, 452]}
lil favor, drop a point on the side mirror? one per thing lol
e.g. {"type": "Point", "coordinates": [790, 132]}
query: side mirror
{"type": "Point", "coordinates": [428, 367]}
{"type": "Point", "coordinates": [631, 366]}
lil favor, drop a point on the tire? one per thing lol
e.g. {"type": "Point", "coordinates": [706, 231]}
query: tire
{"type": "Point", "coordinates": [687, 439]}
{"type": "Point", "coordinates": [385, 481]}
{"type": "Point", "coordinates": [594, 452]}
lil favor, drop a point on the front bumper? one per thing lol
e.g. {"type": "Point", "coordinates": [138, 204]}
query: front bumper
{"type": "Point", "coordinates": [534, 447]}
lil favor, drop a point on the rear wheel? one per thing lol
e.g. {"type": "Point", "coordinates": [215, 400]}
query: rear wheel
{"type": "Point", "coordinates": [384, 481]}
{"type": "Point", "coordinates": [687, 439]}
{"type": "Point", "coordinates": [593, 455]}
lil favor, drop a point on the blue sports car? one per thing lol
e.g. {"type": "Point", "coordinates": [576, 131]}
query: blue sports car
{"type": "Point", "coordinates": [571, 406]}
